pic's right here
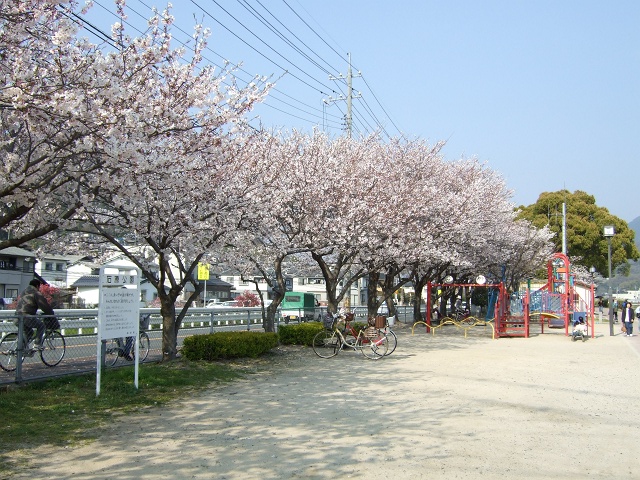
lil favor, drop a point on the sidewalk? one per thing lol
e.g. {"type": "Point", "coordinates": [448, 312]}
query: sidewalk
{"type": "Point", "coordinates": [440, 407]}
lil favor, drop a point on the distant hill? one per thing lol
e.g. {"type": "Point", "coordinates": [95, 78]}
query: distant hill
{"type": "Point", "coordinates": [632, 282]}
{"type": "Point", "coordinates": [620, 283]}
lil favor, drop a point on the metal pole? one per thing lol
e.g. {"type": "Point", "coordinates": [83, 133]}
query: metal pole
{"type": "Point", "coordinates": [610, 295]}
{"type": "Point", "coordinates": [349, 98]}
{"type": "Point", "coordinates": [564, 228]}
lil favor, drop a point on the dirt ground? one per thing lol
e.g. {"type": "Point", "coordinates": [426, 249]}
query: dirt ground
{"type": "Point", "coordinates": [441, 406]}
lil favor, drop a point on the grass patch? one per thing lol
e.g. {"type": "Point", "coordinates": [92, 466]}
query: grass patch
{"type": "Point", "coordinates": [66, 411]}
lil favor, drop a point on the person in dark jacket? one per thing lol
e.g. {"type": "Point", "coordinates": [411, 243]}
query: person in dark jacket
{"type": "Point", "coordinates": [627, 319]}
{"type": "Point", "coordinates": [28, 304]}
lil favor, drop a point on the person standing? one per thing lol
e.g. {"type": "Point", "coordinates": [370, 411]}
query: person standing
{"type": "Point", "coordinates": [627, 318]}
{"type": "Point", "coordinates": [28, 304]}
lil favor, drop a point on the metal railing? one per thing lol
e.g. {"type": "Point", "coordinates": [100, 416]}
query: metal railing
{"type": "Point", "coordinates": [80, 328]}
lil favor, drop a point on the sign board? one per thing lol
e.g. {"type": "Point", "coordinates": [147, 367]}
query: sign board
{"type": "Point", "coordinates": [118, 312]}
{"type": "Point", "coordinates": [119, 307]}
{"type": "Point", "coordinates": [203, 271]}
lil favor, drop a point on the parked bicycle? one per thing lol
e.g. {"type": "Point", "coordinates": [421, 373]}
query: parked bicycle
{"type": "Point", "coordinates": [461, 316]}
{"type": "Point", "coordinates": [125, 348]}
{"type": "Point", "coordinates": [339, 333]}
{"type": "Point", "coordinates": [51, 355]}
{"type": "Point", "coordinates": [382, 324]}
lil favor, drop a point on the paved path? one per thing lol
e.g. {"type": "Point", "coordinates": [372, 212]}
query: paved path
{"type": "Point", "coordinates": [440, 407]}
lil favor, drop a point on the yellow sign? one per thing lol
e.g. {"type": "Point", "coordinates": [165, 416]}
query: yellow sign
{"type": "Point", "coordinates": [203, 271]}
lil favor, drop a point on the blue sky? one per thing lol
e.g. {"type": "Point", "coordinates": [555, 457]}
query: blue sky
{"type": "Point", "coordinates": [545, 92]}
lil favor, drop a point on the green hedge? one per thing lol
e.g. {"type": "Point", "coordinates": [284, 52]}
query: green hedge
{"type": "Point", "coordinates": [303, 333]}
{"type": "Point", "coordinates": [299, 334]}
{"type": "Point", "coordinates": [224, 345]}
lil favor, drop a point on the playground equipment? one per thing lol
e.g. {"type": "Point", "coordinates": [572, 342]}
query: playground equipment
{"type": "Point", "coordinates": [464, 322]}
{"type": "Point", "coordinates": [560, 302]}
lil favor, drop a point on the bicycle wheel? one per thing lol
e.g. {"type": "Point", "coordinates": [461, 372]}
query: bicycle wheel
{"type": "Point", "coordinates": [392, 339]}
{"type": "Point", "coordinates": [111, 353]}
{"type": "Point", "coordinates": [327, 344]}
{"type": "Point", "coordinates": [144, 346]}
{"type": "Point", "coordinates": [8, 352]}
{"type": "Point", "coordinates": [373, 346]}
{"type": "Point", "coordinates": [469, 320]}
{"type": "Point", "coordinates": [54, 348]}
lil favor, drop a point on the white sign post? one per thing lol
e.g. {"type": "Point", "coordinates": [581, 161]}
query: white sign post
{"type": "Point", "coordinates": [118, 311]}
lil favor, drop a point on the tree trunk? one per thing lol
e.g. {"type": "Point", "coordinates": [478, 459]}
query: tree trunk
{"type": "Point", "coordinates": [330, 282]}
{"type": "Point", "coordinates": [269, 323]}
{"type": "Point", "coordinates": [372, 294]}
{"type": "Point", "coordinates": [278, 287]}
{"type": "Point", "coordinates": [419, 284]}
{"type": "Point", "coordinates": [169, 328]}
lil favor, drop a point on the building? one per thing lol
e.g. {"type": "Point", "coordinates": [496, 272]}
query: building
{"type": "Point", "coordinates": [632, 296]}
{"type": "Point", "coordinates": [62, 270]}
{"type": "Point", "coordinates": [16, 271]}
{"type": "Point", "coordinates": [86, 285]}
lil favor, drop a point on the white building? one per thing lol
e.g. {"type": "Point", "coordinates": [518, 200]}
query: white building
{"type": "Point", "coordinates": [87, 281]}
{"type": "Point", "coordinates": [632, 296]}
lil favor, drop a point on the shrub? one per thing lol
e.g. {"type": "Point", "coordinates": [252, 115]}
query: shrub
{"type": "Point", "coordinates": [225, 345]}
{"type": "Point", "coordinates": [358, 326]}
{"type": "Point", "coordinates": [300, 334]}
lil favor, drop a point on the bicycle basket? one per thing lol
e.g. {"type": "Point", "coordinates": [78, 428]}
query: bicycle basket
{"type": "Point", "coordinates": [327, 320]}
{"type": "Point", "coordinates": [51, 323]}
{"type": "Point", "coordinates": [381, 321]}
{"type": "Point", "coordinates": [144, 321]}
{"type": "Point", "coordinates": [371, 332]}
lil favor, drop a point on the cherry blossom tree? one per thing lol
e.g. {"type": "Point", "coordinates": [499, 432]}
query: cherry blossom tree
{"type": "Point", "coordinates": [390, 211]}
{"type": "Point", "coordinates": [50, 132]}
{"type": "Point", "coordinates": [176, 163]}
{"type": "Point", "coordinates": [141, 141]}
{"type": "Point", "coordinates": [324, 199]}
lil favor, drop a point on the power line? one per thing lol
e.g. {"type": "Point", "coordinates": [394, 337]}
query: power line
{"type": "Point", "coordinates": [383, 109]}
{"type": "Point", "coordinates": [311, 28]}
{"type": "Point", "coordinates": [280, 35]}
{"type": "Point", "coordinates": [284, 32]}
{"type": "Point", "coordinates": [337, 53]}
{"type": "Point", "coordinates": [259, 52]}
{"type": "Point", "coordinates": [273, 95]}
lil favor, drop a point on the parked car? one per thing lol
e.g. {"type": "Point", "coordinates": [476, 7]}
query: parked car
{"type": "Point", "coordinates": [219, 304]}
{"type": "Point", "coordinates": [229, 304]}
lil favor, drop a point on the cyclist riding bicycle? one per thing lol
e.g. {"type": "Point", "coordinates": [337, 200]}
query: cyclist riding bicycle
{"type": "Point", "coordinates": [28, 304]}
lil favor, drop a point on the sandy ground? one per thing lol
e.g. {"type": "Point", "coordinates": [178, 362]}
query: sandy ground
{"type": "Point", "coordinates": [439, 407]}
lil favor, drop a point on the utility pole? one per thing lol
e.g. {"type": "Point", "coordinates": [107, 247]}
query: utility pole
{"type": "Point", "coordinates": [609, 231]}
{"type": "Point", "coordinates": [349, 98]}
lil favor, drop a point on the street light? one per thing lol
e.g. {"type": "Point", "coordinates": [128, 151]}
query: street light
{"type": "Point", "coordinates": [592, 272]}
{"type": "Point", "coordinates": [609, 232]}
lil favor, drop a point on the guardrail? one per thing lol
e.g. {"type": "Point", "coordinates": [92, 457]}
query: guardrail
{"type": "Point", "coordinates": [80, 326]}
{"type": "Point", "coordinates": [85, 321]}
